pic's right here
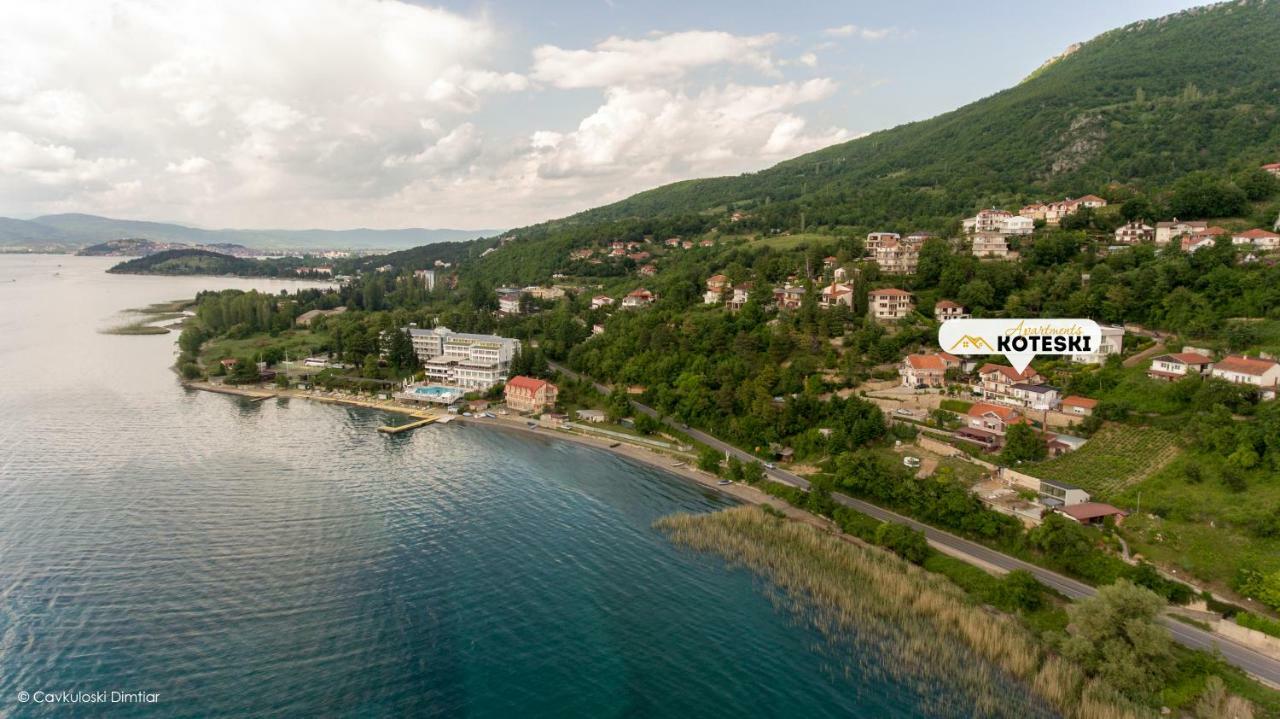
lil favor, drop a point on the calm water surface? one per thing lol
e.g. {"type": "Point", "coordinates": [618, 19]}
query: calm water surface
{"type": "Point", "coordinates": [283, 559]}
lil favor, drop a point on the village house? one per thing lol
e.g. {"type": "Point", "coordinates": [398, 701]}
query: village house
{"type": "Point", "coordinates": [641, 256]}
{"type": "Point", "coordinates": [1093, 513]}
{"type": "Point", "coordinates": [1167, 232]}
{"type": "Point", "coordinates": [707, 243]}
{"type": "Point", "coordinates": [716, 285]}
{"type": "Point", "coordinates": [638, 298]}
{"type": "Point", "coordinates": [1259, 238]}
{"type": "Point", "coordinates": [582, 254]}
{"type": "Point", "coordinates": [890, 304]}
{"type": "Point", "coordinates": [1040, 397]}
{"type": "Point", "coordinates": [945, 310]}
{"type": "Point", "coordinates": [545, 293]}
{"type": "Point", "coordinates": [741, 293]}
{"type": "Point", "coordinates": [836, 294]}
{"type": "Point", "coordinates": [926, 370]}
{"type": "Point", "coordinates": [1131, 233]}
{"type": "Point", "coordinates": [990, 244]}
{"type": "Point", "coordinates": [672, 242]}
{"type": "Point", "coordinates": [427, 278]}
{"type": "Point", "coordinates": [1053, 212]}
{"type": "Point", "coordinates": [996, 381]}
{"type": "Point", "coordinates": [1075, 404]}
{"type": "Point", "coordinates": [594, 416]}
{"type": "Point", "coordinates": [527, 394]}
{"type": "Point", "coordinates": [789, 296]}
{"type": "Point", "coordinates": [896, 257]}
{"type": "Point", "coordinates": [1112, 344]}
{"type": "Point", "coordinates": [991, 220]}
{"type": "Point", "coordinates": [509, 303]}
{"type": "Point", "coordinates": [1172, 367]}
{"type": "Point", "coordinates": [1201, 239]}
{"type": "Point", "coordinates": [1273, 168]}
{"type": "Point", "coordinates": [986, 424]}
{"type": "Point", "coordinates": [875, 239]}
{"type": "Point", "coordinates": [1253, 371]}
{"type": "Point", "coordinates": [1056, 493]}
{"type": "Point", "coordinates": [649, 270]}
{"type": "Point", "coordinates": [601, 301]}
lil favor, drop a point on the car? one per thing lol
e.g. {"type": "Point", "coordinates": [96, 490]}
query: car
{"type": "Point", "coordinates": [904, 412]}
{"type": "Point", "coordinates": [490, 415]}
{"type": "Point", "coordinates": [467, 414]}
{"type": "Point", "coordinates": [770, 465]}
{"type": "Point", "coordinates": [912, 462]}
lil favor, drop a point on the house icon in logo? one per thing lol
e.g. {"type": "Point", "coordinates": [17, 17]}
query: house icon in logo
{"type": "Point", "coordinates": [970, 343]}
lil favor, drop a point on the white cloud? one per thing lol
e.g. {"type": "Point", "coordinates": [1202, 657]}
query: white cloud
{"type": "Point", "coordinates": [238, 97]}
{"type": "Point", "coordinates": [340, 113]}
{"type": "Point", "coordinates": [866, 33]}
{"type": "Point", "coordinates": [189, 166]}
{"type": "Point", "coordinates": [622, 61]}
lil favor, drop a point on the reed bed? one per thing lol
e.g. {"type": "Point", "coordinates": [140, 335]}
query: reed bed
{"type": "Point", "coordinates": [908, 625]}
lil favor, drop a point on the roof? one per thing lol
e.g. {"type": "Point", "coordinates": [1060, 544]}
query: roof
{"type": "Point", "coordinates": [1013, 374]}
{"type": "Point", "coordinates": [1271, 166]}
{"type": "Point", "coordinates": [1184, 223]}
{"type": "Point", "coordinates": [1244, 365]}
{"type": "Point", "coordinates": [1058, 483]}
{"type": "Point", "coordinates": [527, 383]}
{"type": "Point", "coordinates": [1037, 388]}
{"type": "Point", "coordinates": [1257, 234]}
{"type": "Point", "coordinates": [1076, 400]}
{"type": "Point", "coordinates": [980, 409]}
{"type": "Point", "coordinates": [1184, 358]}
{"type": "Point", "coordinates": [717, 278]}
{"type": "Point", "coordinates": [948, 305]}
{"type": "Point", "coordinates": [891, 291]}
{"type": "Point", "coordinates": [933, 362]}
{"type": "Point", "coordinates": [1090, 198]}
{"type": "Point", "coordinates": [1091, 510]}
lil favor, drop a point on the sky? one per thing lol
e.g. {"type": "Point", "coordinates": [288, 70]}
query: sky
{"type": "Point", "coordinates": [385, 113]}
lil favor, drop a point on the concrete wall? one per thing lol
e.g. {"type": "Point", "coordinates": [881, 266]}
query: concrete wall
{"type": "Point", "coordinates": [1264, 643]}
{"type": "Point", "coordinates": [1021, 479]}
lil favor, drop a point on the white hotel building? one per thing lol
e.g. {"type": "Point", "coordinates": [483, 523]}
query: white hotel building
{"type": "Point", "coordinates": [458, 359]}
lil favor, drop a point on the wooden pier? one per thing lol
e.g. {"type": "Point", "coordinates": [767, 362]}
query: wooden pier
{"type": "Point", "coordinates": [398, 428]}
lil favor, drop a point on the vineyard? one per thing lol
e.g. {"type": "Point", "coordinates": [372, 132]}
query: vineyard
{"type": "Point", "coordinates": [1117, 457]}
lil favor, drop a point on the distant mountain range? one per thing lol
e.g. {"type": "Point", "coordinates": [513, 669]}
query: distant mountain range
{"type": "Point", "coordinates": [73, 231]}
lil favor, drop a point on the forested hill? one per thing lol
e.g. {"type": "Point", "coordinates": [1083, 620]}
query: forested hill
{"type": "Point", "coordinates": [1137, 106]}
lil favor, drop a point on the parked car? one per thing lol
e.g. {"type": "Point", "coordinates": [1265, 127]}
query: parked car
{"type": "Point", "coordinates": [912, 462]}
{"type": "Point", "coordinates": [904, 412]}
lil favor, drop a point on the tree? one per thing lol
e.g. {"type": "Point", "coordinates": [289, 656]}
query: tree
{"type": "Point", "coordinates": [752, 472]}
{"type": "Point", "coordinates": [709, 460]}
{"type": "Point", "coordinates": [1202, 194]}
{"type": "Point", "coordinates": [1115, 636]}
{"type": "Point", "coordinates": [400, 352]}
{"type": "Point", "coordinates": [1023, 444]}
{"type": "Point", "coordinates": [647, 424]}
{"type": "Point", "coordinates": [1138, 208]}
{"type": "Point", "coordinates": [618, 404]}
{"type": "Point", "coordinates": [1019, 590]}
{"type": "Point", "coordinates": [903, 541]}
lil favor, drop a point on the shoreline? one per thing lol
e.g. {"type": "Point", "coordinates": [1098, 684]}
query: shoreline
{"type": "Point", "coordinates": [643, 455]}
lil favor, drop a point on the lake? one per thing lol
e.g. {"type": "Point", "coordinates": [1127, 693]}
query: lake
{"type": "Point", "coordinates": [283, 559]}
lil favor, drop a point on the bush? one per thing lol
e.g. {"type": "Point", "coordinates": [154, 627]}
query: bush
{"type": "Point", "coordinates": [1262, 624]}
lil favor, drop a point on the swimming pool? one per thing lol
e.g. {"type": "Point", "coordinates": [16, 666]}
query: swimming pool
{"type": "Point", "coordinates": [436, 393]}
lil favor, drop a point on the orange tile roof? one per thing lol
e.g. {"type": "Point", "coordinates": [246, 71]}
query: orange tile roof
{"type": "Point", "coordinates": [891, 291]}
{"type": "Point", "coordinates": [527, 383]}
{"type": "Point", "coordinates": [1257, 234]}
{"type": "Point", "coordinates": [931, 362]}
{"type": "Point", "coordinates": [1007, 371]}
{"type": "Point", "coordinates": [1076, 400]}
{"type": "Point", "coordinates": [1244, 365]}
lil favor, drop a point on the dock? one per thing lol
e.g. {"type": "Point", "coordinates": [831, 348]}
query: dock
{"type": "Point", "coordinates": [398, 428]}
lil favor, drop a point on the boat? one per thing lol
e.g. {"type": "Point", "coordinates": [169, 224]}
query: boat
{"type": "Point", "coordinates": [724, 482]}
{"type": "Point", "coordinates": [615, 444]}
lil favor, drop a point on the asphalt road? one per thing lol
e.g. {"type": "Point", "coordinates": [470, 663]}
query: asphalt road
{"type": "Point", "coordinates": [1255, 663]}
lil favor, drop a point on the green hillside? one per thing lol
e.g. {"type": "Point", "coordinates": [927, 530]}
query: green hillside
{"type": "Point", "coordinates": [188, 262]}
{"type": "Point", "coordinates": [1138, 106]}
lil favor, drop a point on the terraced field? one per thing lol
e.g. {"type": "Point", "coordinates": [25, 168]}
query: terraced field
{"type": "Point", "coordinates": [1117, 457]}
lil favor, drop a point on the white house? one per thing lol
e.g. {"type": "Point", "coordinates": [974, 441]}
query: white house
{"type": "Point", "coordinates": [875, 239]}
{"type": "Point", "coordinates": [1112, 344]}
{"type": "Point", "coordinates": [1259, 238]}
{"type": "Point", "coordinates": [1134, 232]}
{"type": "Point", "coordinates": [890, 304]}
{"type": "Point", "coordinates": [990, 244]}
{"type": "Point", "coordinates": [638, 298]}
{"type": "Point", "coordinates": [1254, 371]}
{"type": "Point", "coordinates": [1167, 232]}
{"type": "Point", "coordinates": [945, 310]}
{"type": "Point", "coordinates": [1036, 396]}
{"type": "Point", "coordinates": [1173, 367]}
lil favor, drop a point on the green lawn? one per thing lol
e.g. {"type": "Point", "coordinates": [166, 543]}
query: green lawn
{"type": "Point", "coordinates": [1116, 458]}
{"type": "Point", "coordinates": [298, 343]}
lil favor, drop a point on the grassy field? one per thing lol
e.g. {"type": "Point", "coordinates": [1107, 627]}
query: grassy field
{"type": "Point", "coordinates": [1116, 458]}
{"type": "Point", "coordinates": [787, 242]}
{"type": "Point", "coordinates": [298, 343]}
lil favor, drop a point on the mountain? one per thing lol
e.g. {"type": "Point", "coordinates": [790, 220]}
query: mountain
{"type": "Point", "coordinates": [1131, 110]}
{"type": "Point", "coordinates": [79, 229]}
{"type": "Point", "coordinates": [139, 248]}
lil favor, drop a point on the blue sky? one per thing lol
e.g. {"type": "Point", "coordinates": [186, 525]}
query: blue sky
{"type": "Point", "coordinates": [340, 113]}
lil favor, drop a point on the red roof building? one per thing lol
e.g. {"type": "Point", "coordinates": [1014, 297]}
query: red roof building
{"type": "Point", "coordinates": [528, 394]}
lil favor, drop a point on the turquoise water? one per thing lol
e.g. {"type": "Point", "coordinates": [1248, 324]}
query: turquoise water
{"type": "Point", "coordinates": [435, 391]}
{"type": "Point", "coordinates": [283, 559]}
